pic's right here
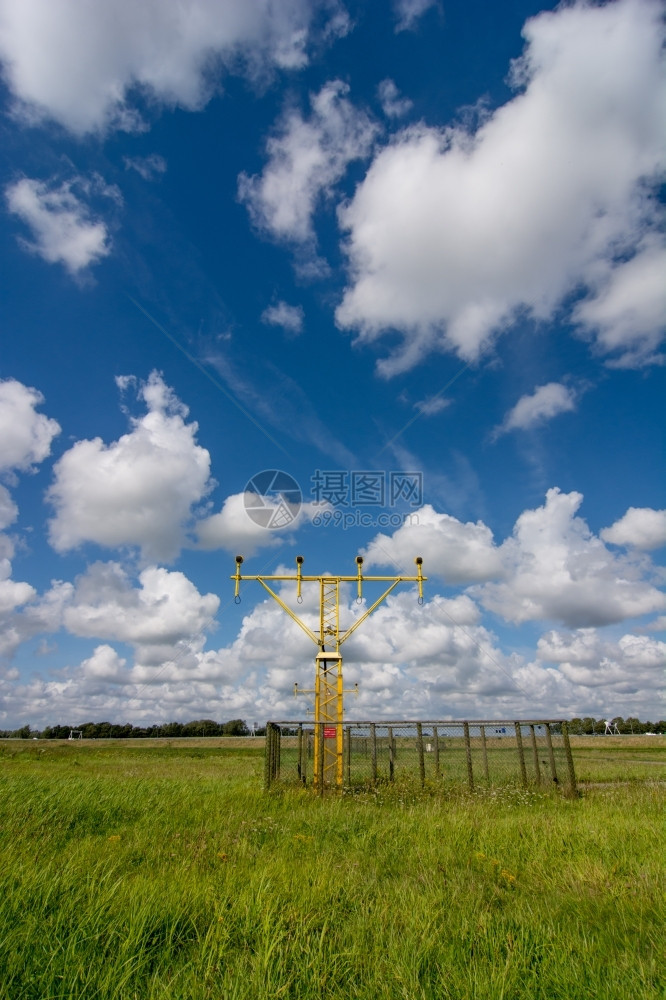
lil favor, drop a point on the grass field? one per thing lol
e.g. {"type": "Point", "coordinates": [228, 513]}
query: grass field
{"type": "Point", "coordinates": [154, 870]}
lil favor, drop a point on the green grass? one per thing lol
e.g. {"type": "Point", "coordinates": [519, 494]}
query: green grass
{"type": "Point", "coordinates": [166, 872]}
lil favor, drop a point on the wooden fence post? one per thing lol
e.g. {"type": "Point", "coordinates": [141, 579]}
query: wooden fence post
{"type": "Point", "coordinates": [521, 755]}
{"type": "Point", "coordinates": [468, 755]}
{"type": "Point", "coordinates": [419, 748]}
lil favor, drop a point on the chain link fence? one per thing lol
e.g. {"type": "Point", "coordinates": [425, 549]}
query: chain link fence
{"type": "Point", "coordinates": [430, 754]}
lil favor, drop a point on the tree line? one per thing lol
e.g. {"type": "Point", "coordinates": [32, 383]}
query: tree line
{"type": "Point", "coordinates": [115, 731]}
{"type": "Point", "coordinates": [238, 727]}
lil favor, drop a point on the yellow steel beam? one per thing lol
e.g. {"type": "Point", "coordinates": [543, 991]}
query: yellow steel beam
{"type": "Point", "coordinates": [359, 621]}
{"type": "Point", "coordinates": [285, 607]}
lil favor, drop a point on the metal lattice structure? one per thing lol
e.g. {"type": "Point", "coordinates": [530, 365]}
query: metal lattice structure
{"type": "Point", "coordinates": [328, 687]}
{"type": "Point", "coordinates": [440, 754]}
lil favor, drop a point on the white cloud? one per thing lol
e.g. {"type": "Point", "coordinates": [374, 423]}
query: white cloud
{"type": "Point", "coordinates": [136, 491]}
{"type": "Point", "coordinates": [290, 318]}
{"type": "Point", "coordinates": [546, 402]}
{"type": "Point", "coordinates": [551, 568]}
{"type": "Point", "coordinates": [457, 552]}
{"type": "Point", "coordinates": [62, 229]}
{"type": "Point", "coordinates": [392, 104]}
{"type": "Point", "coordinates": [306, 159]}
{"type": "Point", "coordinates": [166, 607]}
{"type": "Point", "coordinates": [639, 528]}
{"type": "Point", "coordinates": [25, 435]}
{"type": "Point", "coordinates": [630, 666]}
{"type": "Point", "coordinates": [628, 309]}
{"type": "Point", "coordinates": [431, 406]}
{"type": "Point", "coordinates": [24, 613]}
{"type": "Point", "coordinates": [148, 167]}
{"type": "Point", "coordinates": [408, 12]}
{"type": "Point", "coordinates": [12, 594]}
{"type": "Point", "coordinates": [453, 234]}
{"type": "Point", "coordinates": [8, 509]}
{"type": "Point", "coordinates": [555, 568]}
{"type": "Point", "coordinates": [77, 62]}
{"type": "Point", "coordinates": [436, 661]}
{"type": "Point", "coordinates": [233, 529]}
{"type": "Point", "coordinates": [106, 665]}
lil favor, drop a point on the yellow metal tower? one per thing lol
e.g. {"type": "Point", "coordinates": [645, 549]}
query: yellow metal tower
{"type": "Point", "coordinates": [328, 689]}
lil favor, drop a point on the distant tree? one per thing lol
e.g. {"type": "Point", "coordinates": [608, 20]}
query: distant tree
{"type": "Point", "coordinates": [171, 729]}
{"type": "Point", "coordinates": [201, 727]}
{"type": "Point", "coordinates": [576, 726]}
{"type": "Point", "coordinates": [236, 727]}
{"type": "Point", "coordinates": [588, 725]}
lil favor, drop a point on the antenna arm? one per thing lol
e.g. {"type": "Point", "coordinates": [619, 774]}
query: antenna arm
{"type": "Point", "coordinates": [366, 614]}
{"type": "Point", "coordinates": [285, 607]}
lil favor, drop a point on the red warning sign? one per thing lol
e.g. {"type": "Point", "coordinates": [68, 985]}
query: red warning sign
{"type": "Point", "coordinates": [329, 732]}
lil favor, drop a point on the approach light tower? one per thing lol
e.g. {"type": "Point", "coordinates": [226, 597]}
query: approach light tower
{"type": "Point", "coordinates": [328, 690]}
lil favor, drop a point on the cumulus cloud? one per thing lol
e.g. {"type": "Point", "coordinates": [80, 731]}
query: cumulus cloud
{"type": "Point", "coordinates": [306, 158]}
{"type": "Point", "coordinates": [640, 528]}
{"type": "Point", "coordinates": [8, 509]}
{"type": "Point", "coordinates": [453, 234]}
{"type": "Point", "coordinates": [392, 104]}
{"type": "Point", "coordinates": [630, 666]}
{"type": "Point", "coordinates": [137, 491]}
{"type": "Point", "coordinates": [233, 529]}
{"type": "Point", "coordinates": [546, 402]}
{"type": "Point", "coordinates": [457, 552]}
{"type": "Point", "coordinates": [169, 51]}
{"type": "Point", "coordinates": [165, 609]}
{"type": "Point", "coordinates": [437, 660]}
{"type": "Point", "coordinates": [25, 435]}
{"type": "Point", "coordinates": [62, 229]}
{"type": "Point", "coordinates": [626, 312]}
{"type": "Point", "coordinates": [551, 568]}
{"type": "Point", "coordinates": [555, 568]}
{"type": "Point", "coordinates": [290, 318]}
{"type": "Point", "coordinates": [106, 665]}
{"type": "Point", "coordinates": [23, 612]}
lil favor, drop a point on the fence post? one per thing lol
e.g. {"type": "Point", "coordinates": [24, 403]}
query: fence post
{"type": "Point", "coordinates": [521, 755]}
{"type": "Point", "coordinates": [573, 790]}
{"type": "Point", "coordinates": [419, 748]}
{"type": "Point", "coordinates": [391, 760]}
{"type": "Point", "coordinates": [268, 751]}
{"type": "Point", "coordinates": [349, 748]}
{"type": "Point", "coordinates": [435, 740]}
{"type": "Point", "coordinates": [299, 767]}
{"type": "Point", "coordinates": [535, 755]}
{"type": "Point", "coordinates": [484, 750]}
{"type": "Point", "coordinates": [373, 752]}
{"type": "Point", "coordinates": [551, 755]}
{"type": "Point", "coordinates": [468, 755]}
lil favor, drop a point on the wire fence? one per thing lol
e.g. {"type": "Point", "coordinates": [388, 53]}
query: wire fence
{"type": "Point", "coordinates": [431, 754]}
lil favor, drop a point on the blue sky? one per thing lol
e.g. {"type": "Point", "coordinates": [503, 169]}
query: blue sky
{"type": "Point", "coordinates": [410, 254]}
